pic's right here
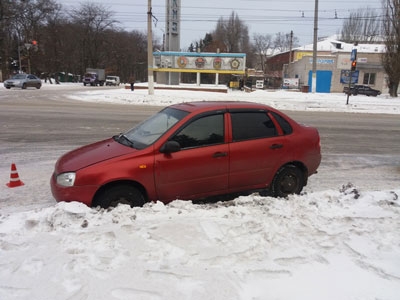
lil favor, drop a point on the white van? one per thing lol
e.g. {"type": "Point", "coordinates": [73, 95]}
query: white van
{"type": "Point", "coordinates": [112, 80]}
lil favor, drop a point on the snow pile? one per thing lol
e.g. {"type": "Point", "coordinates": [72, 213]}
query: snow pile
{"type": "Point", "coordinates": [327, 245]}
{"type": "Point", "coordinates": [282, 99]}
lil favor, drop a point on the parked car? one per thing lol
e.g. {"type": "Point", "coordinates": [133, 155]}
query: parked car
{"type": "Point", "coordinates": [192, 151]}
{"type": "Point", "coordinates": [362, 90]}
{"type": "Point", "coordinates": [113, 80]}
{"type": "Point", "coordinates": [23, 81]}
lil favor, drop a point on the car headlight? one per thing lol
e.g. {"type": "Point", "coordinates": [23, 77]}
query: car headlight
{"type": "Point", "coordinates": [66, 179]}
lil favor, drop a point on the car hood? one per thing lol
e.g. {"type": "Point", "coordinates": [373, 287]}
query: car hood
{"type": "Point", "coordinates": [91, 154]}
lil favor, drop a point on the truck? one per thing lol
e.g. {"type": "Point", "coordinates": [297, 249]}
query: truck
{"type": "Point", "coordinates": [94, 77]}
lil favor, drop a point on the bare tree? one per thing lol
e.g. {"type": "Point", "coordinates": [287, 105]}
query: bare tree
{"type": "Point", "coordinates": [262, 44]}
{"type": "Point", "coordinates": [21, 23]}
{"type": "Point", "coordinates": [363, 26]}
{"type": "Point", "coordinates": [5, 25]}
{"type": "Point", "coordinates": [282, 42]}
{"type": "Point", "coordinates": [93, 20]}
{"type": "Point", "coordinates": [391, 30]}
{"type": "Point", "coordinates": [233, 33]}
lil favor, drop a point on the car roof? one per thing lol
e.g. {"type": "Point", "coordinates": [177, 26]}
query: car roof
{"type": "Point", "coordinates": [199, 106]}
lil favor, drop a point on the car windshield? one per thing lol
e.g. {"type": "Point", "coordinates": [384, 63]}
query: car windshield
{"type": "Point", "coordinates": [150, 130]}
{"type": "Point", "coordinates": [19, 76]}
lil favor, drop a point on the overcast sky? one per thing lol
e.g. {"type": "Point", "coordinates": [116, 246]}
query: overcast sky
{"type": "Point", "coordinates": [261, 16]}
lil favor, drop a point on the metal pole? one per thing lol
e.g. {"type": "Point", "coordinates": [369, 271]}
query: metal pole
{"type": "Point", "coordinates": [348, 92]}
{"type": "Point", "coordinates": [19, 59]}
{"type": "Point", "coordinates": [150, 51]}
{"type": "Point", "coordinates": [290, 53]}
{"type": "Point", "coordinates": [314, 63]}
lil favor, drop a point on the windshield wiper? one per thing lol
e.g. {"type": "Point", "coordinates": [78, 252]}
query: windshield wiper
{"type": "Point", "coordinates": [124, 140]}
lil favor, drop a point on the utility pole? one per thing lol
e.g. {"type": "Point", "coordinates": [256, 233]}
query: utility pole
{"type": "Point", "coordinates": [150, 51]}
{"type": "Point", "coordinates": [314, 63]}
{"type": "Point", "coordinates": [290, 53]}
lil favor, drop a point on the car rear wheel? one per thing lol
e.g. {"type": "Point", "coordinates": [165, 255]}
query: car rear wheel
{"type": "Point", "coordinates": [288, 180]}
{"type": "Point", "coordinates": [120, 194]}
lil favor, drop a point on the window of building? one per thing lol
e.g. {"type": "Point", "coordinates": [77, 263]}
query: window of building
{"type": "Point", "coordinates": [369, 78]}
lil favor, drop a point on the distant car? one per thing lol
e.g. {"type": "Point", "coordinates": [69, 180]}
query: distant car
{"type": "Point", "coordinates": [192, 151]}
{"type": "Point", "coordinates": [113, 80]}
{"type": "Point", "coordinates": [362, 90]}
{"type": "Point", "coordinates": [23, 81]}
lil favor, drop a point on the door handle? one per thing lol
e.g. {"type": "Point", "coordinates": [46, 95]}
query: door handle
{"type": "Point", "coordinates": [276, 146]}
{"type": "Point", "coordinates": [220, 154]}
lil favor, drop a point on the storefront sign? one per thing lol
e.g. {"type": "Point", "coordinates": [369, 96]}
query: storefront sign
{"type": "Point", "coordinates": [194, 62]}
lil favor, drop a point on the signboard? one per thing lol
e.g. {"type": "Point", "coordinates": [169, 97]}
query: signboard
{"type": "Point", "coordinates": [345, 75]}
{"type": "Point", "coordinates": [323, 61]}
{"type": "Point", "coordinates": [259, 84]}
{"type": "Point", "coordinates": [173, 17]}
{"type": "Point", "coordinates": [203, 62]}
{"type": "Point", "coordinates": [291, 83]}
{"type": "Point", "coordinates": [353, 55]}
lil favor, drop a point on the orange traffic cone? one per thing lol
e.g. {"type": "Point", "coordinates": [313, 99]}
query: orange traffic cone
{"type": "Point", "coordinates": [14, 177]}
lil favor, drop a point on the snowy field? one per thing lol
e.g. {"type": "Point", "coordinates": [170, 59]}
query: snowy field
{"type": "Point", "coordinates": [339, 240]}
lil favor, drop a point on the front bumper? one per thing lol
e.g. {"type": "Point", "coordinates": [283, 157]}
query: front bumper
{"type": "Point", "coordinates": [83, 194]}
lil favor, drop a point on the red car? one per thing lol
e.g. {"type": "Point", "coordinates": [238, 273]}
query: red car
{"type": "Point", "coordinates": [191, 151]}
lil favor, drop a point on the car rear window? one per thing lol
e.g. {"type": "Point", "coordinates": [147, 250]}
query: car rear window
{"type": "Point", "coordinates": [251, 125]}
{"type": "Point", "coordinates": [284, 124]}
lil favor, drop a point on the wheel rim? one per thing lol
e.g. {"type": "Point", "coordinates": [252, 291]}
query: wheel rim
{"type": "Point", "coordinates": [289, 183]}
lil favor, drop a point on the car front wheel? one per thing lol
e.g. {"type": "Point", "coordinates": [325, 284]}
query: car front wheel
{"type": "Point", "coordinates": [120, 194]}
{"type": "Point", "coordinates": [288, 180]}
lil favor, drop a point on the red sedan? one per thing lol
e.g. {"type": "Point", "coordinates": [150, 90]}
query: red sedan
{"type": "Point", "coordinates": [191, 151]}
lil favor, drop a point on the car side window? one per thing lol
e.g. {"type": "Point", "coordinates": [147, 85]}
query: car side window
{"type": "Point", "coordinates": [205, 131]}
{"type": "Point", "coordinates": [251, 125]}
{"type": "Point", "coordinates": [286, 128]}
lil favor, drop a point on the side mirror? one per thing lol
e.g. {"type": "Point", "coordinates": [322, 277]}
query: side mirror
{"type": "Point", "coordinates": [170, 147]}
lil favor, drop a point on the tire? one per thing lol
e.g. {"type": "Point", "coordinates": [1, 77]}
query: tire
{"type": "Point", "coordinates": [120, 194]}
{"type": "Point", "coordinates": [38, 86]}
{"type": "Point", "coordinates": [24, 86]}
{"type": "Point", "coordinates": [288, 180]}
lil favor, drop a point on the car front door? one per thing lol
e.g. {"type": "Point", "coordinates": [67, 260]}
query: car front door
{"type": "Point", "coordinates": [200, 168]}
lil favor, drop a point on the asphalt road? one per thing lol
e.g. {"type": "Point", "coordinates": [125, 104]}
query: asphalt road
{"type": "Point", "coordinates": [48, 116]}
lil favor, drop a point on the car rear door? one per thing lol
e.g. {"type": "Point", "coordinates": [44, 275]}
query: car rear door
{"type": "Point", "coordinates": [200, 168]}
{"type": "Point", "coordinates": [256, 151]}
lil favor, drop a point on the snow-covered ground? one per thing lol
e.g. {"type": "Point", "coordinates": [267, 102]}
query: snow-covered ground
{"type": "Point", "coordinates": [340, 239]}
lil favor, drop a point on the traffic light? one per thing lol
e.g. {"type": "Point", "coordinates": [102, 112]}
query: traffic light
{"type": "Point", "coordinates": [34, 45]}
{"type": "Point", "coordinates": [353, 65]}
